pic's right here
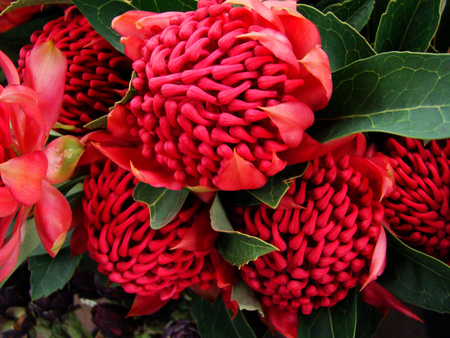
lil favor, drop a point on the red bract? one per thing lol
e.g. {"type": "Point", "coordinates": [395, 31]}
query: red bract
{"type": "Point", "coordinates": [418, 210]}
{"type": "Point", "coordinates": [222, 92]}
{"type": "Point", "coordinates": [15, 17]}
{"type": "Point", "coordinates": [27, 169]}
{"type": "Point", "coordinates": [145, 261]}
{"type": "Point", "coordinates": [97, 74]}
{"type": "Point", "coordinates": [329, 235]}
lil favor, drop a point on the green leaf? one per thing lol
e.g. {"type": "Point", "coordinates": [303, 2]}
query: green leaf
{"type": "Point", "coordinates": [30, 242]}
{"type": "Point", "coordinates": [408, 25]}
{"type": "Point", "coordinates": [342, 43]}
{"type": "Point", "coordinates": [322, 4]}
{"type": "Point", "coordinates": [245, 296]}
{"type": "Point", "coordinates": [398, 92]}
{"type": "Point", "coordinates": [26, 3]}
{"type": "Point", "coordinates": [131, 92]}
{"type": "Point", "coordinates": [355, 12]}
{"type": "Point", "coordinates": [368, 321]}
{"type": "Point", "coordinates": [40, 250]}
{"type": "Point", "coordinates": [235, 247]}
{"type": "Point", "coordinates": [164, 204]}
{"type": "Point", "coordinates": [415, 277]}
{"type": "Point", "coordinates": [216, 321]}
{"type": "Point", "coordinates": [50, 274]}
{"type": "Point", "coordinates": [337, 321]}
{"type": "Point", "coordinates": [276, 186]}
{"type": "Point", "coordinates": [99, 123]}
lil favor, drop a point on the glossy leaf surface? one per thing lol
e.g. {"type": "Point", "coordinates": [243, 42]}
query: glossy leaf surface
{"type": "Point", "coordinates": [342, 43]}
{"type": "Point", "coordinates": [400, 93]}
{"type": "Point", "coordinates": [355, 12]}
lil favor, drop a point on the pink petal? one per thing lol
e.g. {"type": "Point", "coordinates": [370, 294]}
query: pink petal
{"type": "Point", "coordinates": [291, 119]}
{"type": "Point", "coordinates": [9, 69]}
{"type": "Point", "coordinates": [24, 184]}
{"type": "Point", "coordinates": [380, 298]}
{"type": "Point", "coordinates": [133, 47]}
{"type": "Point", "coordinates": [157, 176]}
{"type": "Point", "coordinates": [53, 218]}
{"type": "Point", "coordinates": [315, 70]}
{"type": "Point", "coordinates": [155, 23]}
{"type": "Point", "coordinates": [239, 174]}
{"type": "Point", "coordinates": [8, 204]}
{"type": "Point", "coordinates": [200, 236]}
{"type": "Point", "coordinates": [26, 117]}
{"type": "Point", "coordinates": [45, 73]}
{"type": "Point", "coordinates": [146, 305]}
{"type": "Point", "coordinates": [62, 154]}
{"type": "Point", "coordinates": [281, 320]}
{"type": "Point", "coordinates": [301, 32]}
{"type": "Point", "coordinates": [125, 24]}
{"type": "Point", "coordinates": [262, 10]}
{"type": "Point", "coordinates": [379, 258]}
{"type": "Point", "coordinates": [278, 44]}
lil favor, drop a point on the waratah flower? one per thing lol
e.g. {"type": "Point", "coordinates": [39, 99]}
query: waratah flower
{"type": "Point", "coordinates": [28, 111]}
{"type": "Point", "coordinates": [418, 211]}
{"type": "Point", "coordinates": [97, 74]}
{"type": "Point", "coordinates": [15, 17]}
{"type": "Point", "coordinates": [145, 261]}
{"type": "Point", "coordinates": [222, 92]}
{"type": "Point", "coordinates": [328, 231]}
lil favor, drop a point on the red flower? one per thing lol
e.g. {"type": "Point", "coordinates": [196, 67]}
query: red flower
{"type": "Point", "coordinates": [329, 235]}
{"type": "Point", "coordinates": [418, 210]}
{"type": "Point", "coordinates": [145, 261]}
{"type": "Point", "coordinates": [222, 92]}
{"type": "Point", "coordinates": [97, 74]}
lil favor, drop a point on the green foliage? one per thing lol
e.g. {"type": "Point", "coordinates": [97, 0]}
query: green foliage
{"type": "Point", "coordinates": [408, 25]}
{"type": "Point", "coordinates": [355, 12]}
{"type": "Point", "coordinates": [216, 321]}
{"type": "Point", "coordinates": [400, 93]}
{"type": "Point", "coordinates": [235, 247]}
{"type": "Point", "coordinates": [368, 321]}
{"type": "Point", "coordinates": [25, 3]}
{"type": "Point", "coordinates": [50, 274]}
{"type": "Point", "coordinates": [164, 204]}
{"type": "Point", "coordinates": [342, 43]}
{"type": "Point", "coordinates": [245, 296]}
{"type": "Point", "coordinates": [415, 277]}
{"type": "Point", "coordinates": [337, 321]}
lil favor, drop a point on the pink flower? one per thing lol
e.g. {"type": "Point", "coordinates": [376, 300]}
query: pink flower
{"type": "Point", "coordinates": [158, 264]}
{"type": "Point", "coordinates": [27, 169]}
{"type": "Point", "coordinates": [222, 93]}
{"type": "Point", "coordinates": [97, 74]}
{"type": "Point", "coordinates": [418, 210]}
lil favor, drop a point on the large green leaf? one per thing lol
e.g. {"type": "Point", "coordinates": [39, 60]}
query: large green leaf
{"type": "Point", "coordinates": [415, 277]}
{"type": "Point", "coordinates": [164, 204]}
{"type": "Point", "coordinates": [322, 4]}
{"type": "Point", "coordinates": [277, 185]}
{"type": "Point", "coordinates": [100, 13]}
{"type": "Point", "coordinates": [235, 247]}
{"type": "Point", "coordinates": [342, 43]}
{"type": "Point", "coordinates": [50, 274]}
{"type": "Point", "coordinates": [338, 321]}
{"type": "Point", "coordinates": [408, 25]}
{"type": "Point", "coordinates": [216, 321]}
{"type": "Point", "coordinates": [398, 92]}
{"type": "Point", "coordinates": [355, 12]}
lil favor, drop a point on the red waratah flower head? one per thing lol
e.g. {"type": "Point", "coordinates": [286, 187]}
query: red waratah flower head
{"type": "Point", "coordinates": [97, 74]}
{"type": "Point", "coordinates": [418, 210]}
{"type": "Point", "coordinates": [222, 92]}
{"type": "Point", "coordinates": [145, 261]}
{"type": "Point", "coordinates": [327, 229]}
